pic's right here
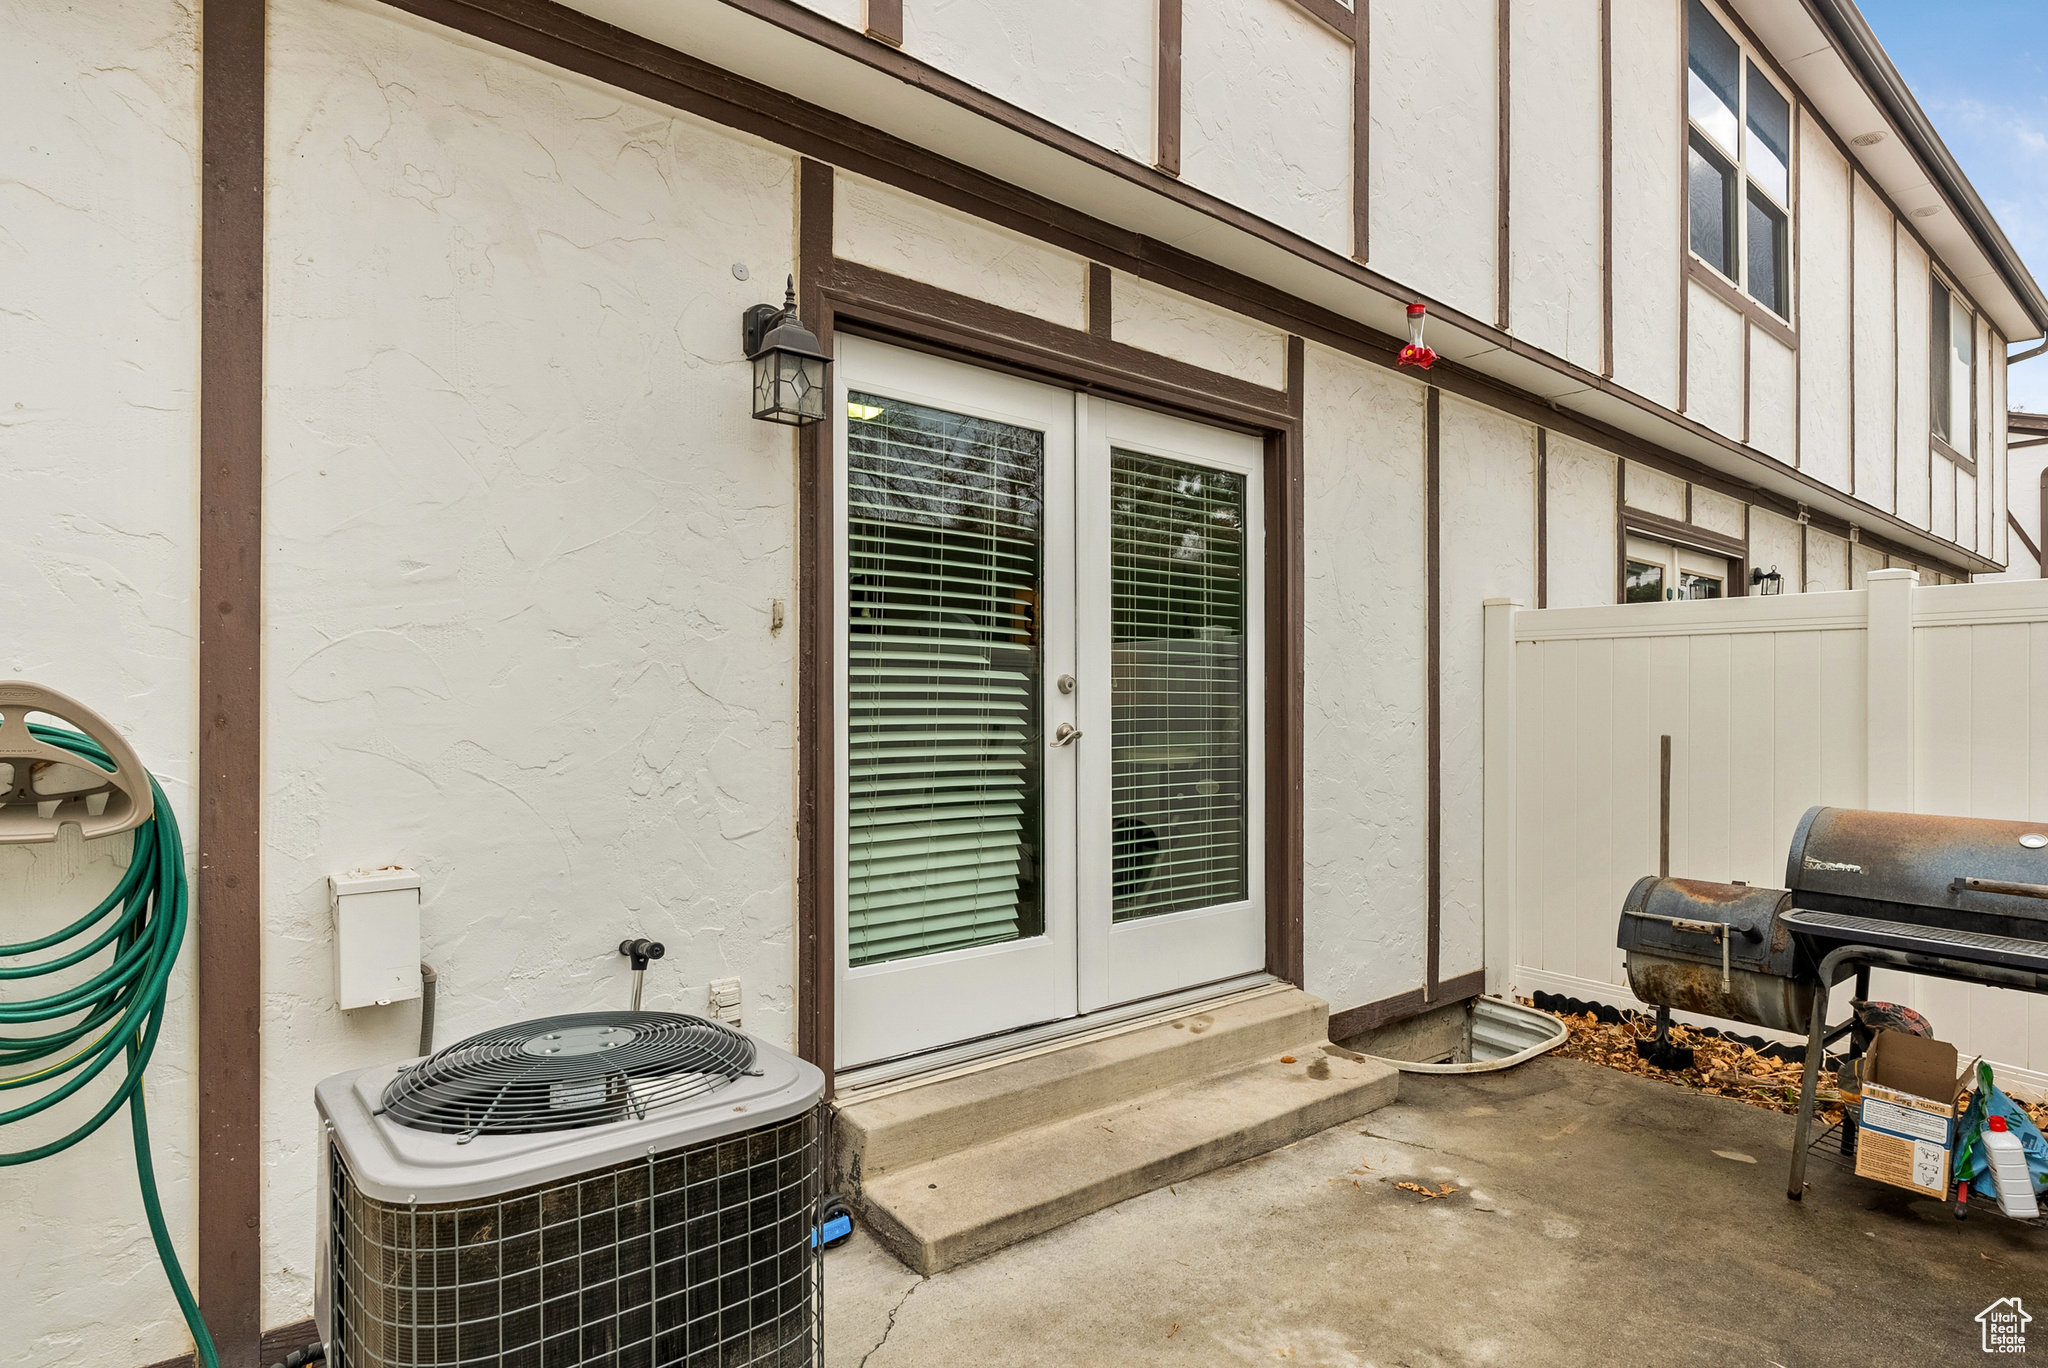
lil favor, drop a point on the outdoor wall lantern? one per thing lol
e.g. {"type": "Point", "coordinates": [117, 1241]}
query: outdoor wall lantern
{"type": "Point", "coordinates": [1767, 581]}
{"type": "Point", "coordinates": [789, 363]}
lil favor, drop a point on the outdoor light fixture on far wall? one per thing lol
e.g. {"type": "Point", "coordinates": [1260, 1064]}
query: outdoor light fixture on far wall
{"type": "Point", "coordinates": [1767, 581]}
{"type": "Point", "coordinates": [789, 363]}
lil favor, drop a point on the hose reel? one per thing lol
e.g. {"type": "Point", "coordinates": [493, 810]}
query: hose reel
{"type": "Point", "coordinates": [85, 775]}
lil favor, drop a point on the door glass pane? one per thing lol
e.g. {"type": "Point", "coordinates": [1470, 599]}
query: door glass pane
{"type": "Point", "coordinates": [1710, 192]}
{"type": "Point", "coordinates": [944, 519]}
{"type": "Point", "coordinates": [1177, 687]}
{"type": "Point", "coordinates": [1769, 155]}
{"type": "Point", "coordinates": [1644, 583]}
{"type": "Point", "coordinates": [1712, 62]}
{"type": "Point", "coordinates": [1692, 586]}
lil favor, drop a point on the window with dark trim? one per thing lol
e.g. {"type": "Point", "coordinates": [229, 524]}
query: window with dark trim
{"type": "Point", "coordinates": [1952, 368]}
{"type": "Point", "coordinates": [1738, 164]}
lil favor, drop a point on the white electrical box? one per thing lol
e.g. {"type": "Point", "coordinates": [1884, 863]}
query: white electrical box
{"type": "Point", "coordinates": [376, 936]}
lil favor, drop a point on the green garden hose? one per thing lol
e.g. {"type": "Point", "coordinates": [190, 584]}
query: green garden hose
{"type": "Point", "coordinates": [143, 919]}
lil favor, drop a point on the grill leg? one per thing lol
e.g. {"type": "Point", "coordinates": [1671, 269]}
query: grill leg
{"type": "Point", "coordinates": [1809, 1077]}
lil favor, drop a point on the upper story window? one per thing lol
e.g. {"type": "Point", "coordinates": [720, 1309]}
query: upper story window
{"type": "Point", "coordinates": [1739, 160]}
{"type": "Point", "coordinates": [1953, 368]}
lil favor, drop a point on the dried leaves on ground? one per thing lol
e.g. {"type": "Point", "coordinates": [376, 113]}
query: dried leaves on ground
{"type": "Point", "coordinates": [1723, 1067]}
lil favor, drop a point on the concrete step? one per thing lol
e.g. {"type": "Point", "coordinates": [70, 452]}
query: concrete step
{"type": "Point", "coordinates": [899, 1128]}
{"type": "Point", "coordinates": [951, 1210]}
{"type": "Point", "coordinates": [949, 1171]}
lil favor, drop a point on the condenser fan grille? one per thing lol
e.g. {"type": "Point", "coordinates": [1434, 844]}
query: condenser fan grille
{"type": "Point", "coordinates": [566, 1072]}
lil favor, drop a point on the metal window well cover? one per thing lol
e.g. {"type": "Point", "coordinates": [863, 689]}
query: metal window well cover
{"type": "Point", "coordinates": [1504, 1034]}
{"type": "Point", "coordinates": [395, 1162]}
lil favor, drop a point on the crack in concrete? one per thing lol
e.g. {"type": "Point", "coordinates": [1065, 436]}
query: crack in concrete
{"type": "Point", "coordinates": [889, 1329]}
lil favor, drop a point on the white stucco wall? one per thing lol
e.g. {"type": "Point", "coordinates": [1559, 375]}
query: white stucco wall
{"type": "Point", "coordinates": [1877, 407]}
{"type": "Point", "coordinates": [1823, 308]}
{"type": "Point", "coordinates": [883, 227]}
{"type": "Point", "coordinates": [1713, 362]}
{"type": "Point", "coordinates": [1084, 66]}
{"type": "Point", "coordinates": [1579, 504]}
{"type": "Point", "coordinates": [1718, 513]}
{"type": "Point", "coordinates": [1265, 115]}
{"type": "Point", "coordinates": [1365, 842]}
{"type": "Point", "coordinates": [1827, 561]}
{"type": "Point", "coordinates": [522, 542]}
{"type": "Point", "coordinates": [1774, 545]}
{"type": "Point", "coordinates": [1648, 200]}
{"type": "Point", "coordinates": [1435, 149]}
{"type": "Point", "coordinates": [1488, 488]}
{"type": "Point", "coordinates": [1943, 479]}
{"type": "Point", "coordinates": [1554, 178]}
{"type": "Point", "coordinates": [1168, 323]}
{"type": "Point", "coordinates": [1653, 491]}
{"type": "Point", "coordinates": [99, 274]}
{"type": "Point", "coordinates": [1773, 397]}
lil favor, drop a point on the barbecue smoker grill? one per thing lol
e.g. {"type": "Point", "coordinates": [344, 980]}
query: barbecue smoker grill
{"type": "Point", "coordinates": [1962, 898]}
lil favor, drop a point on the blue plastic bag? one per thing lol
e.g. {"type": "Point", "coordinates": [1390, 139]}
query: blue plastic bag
{"type": "Point", "coordinates": [1973, 1165]}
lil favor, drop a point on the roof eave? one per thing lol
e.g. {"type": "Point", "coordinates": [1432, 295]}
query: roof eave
{"type": "Point", "coordinates": [1852, 36]}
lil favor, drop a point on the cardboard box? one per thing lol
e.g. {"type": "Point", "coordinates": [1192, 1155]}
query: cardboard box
{"type": "Point", "coordinates": [1908, 1128]}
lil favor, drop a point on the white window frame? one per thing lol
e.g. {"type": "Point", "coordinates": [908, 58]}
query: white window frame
{"type": "Point", "coordinates": [1748, 59]}
{"type": "Point", "coordinates": [1945, 444]}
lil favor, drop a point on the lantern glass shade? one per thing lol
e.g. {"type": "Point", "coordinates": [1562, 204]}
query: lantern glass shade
{"type": "Point", "coordinates": [789, 387]}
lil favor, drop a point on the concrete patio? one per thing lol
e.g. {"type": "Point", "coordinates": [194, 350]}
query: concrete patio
{"type": "Point", "coordinates": [1594, 1223]}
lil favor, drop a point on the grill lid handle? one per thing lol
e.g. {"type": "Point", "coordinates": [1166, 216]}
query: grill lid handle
{"type": "Point", "coordinates": [2017, 890]}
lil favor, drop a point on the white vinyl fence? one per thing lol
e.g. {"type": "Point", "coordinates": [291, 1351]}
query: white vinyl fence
{"type": "Point", "coordinates": [1894, 697]}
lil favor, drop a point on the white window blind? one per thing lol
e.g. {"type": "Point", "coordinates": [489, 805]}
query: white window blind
{"type": "Point", "coordinates": [944, 513]}
{"type": "Point", "coordinates": [1177, 623]}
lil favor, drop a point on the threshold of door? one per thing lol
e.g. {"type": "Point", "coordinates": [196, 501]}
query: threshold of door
{"type": "Point", "coordinates": [867, 1081]}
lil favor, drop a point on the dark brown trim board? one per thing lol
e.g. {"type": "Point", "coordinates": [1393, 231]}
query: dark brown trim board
{"type": "Point", "coordinates": [1286, 675]}
{"type": "Point", "coordinates": [2044, 525]}
{"type": "Point", "coordinates": [1684, 219]}
{"type": "Point", "coordinates": [1682, 533]}
{"type": "Point", "coordinates": [1953, 457]}
{"type": "Point", "coordinates": [1373, 1015]}
{"type": "Point", "coordinates": [1502, 291]}
{"type": "Point", "coordinates": [562, 37]}
{"type": "Point", "coordinates": [1433, 664]}
{"type": "Point", "coordinates": [2013, 523]}
{"type": "Point", "coordinates": [1166, 93]}
{"type": "Point", "coordinates": [229, 921]}
{"type": "Point", "coordinates": [817, 968]}
{"type": "Point", "coordinates": [275, 1345]}
{"type": "Point", "coordinates": [883, 21]}
{"type": "Point", "coordinates": [931, 318]}
{"type": "Point", "coordinates": [1543, 517]}
{"type": "Point", "coordinates": [1687, 534]}
{"type": "Point", "coordinates": [1725, 290]}
{"type": "Point", "coordinates": [1331, 15]}
{"type": "Point", "coordinates": [1607, 188]}
{"type": "Point", "coordinates": [1361, 133]}
{"type": "Point", "coordinates": [1101, 302]}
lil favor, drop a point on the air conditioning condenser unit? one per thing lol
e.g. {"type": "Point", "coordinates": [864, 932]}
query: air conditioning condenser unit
{"type": "Point", "coordinates": [604, 1190]}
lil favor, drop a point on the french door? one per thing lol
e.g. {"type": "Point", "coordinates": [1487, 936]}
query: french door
{"type": "Point", "coordinates": [1050, 761]}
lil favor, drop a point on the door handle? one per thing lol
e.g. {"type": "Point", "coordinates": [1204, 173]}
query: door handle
{"type": "Point", "coordinates": [1066, 734]}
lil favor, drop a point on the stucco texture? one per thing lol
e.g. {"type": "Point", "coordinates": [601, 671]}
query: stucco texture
{"type": "Point", "coordinates": [1266, 115]}
{"type": "Point", "coordinates": [1435, 131]}
{"type": "Point", "coordinates": [1365, 920]}
{"type": "Point", "coordinates": [1487, 475]}
{"type": "Point", "coordinates": [99, 303]}
{"type": "Point", "coordinates": [1086, 66]}
{"type": "Point", "coordinates": [522, 540]}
